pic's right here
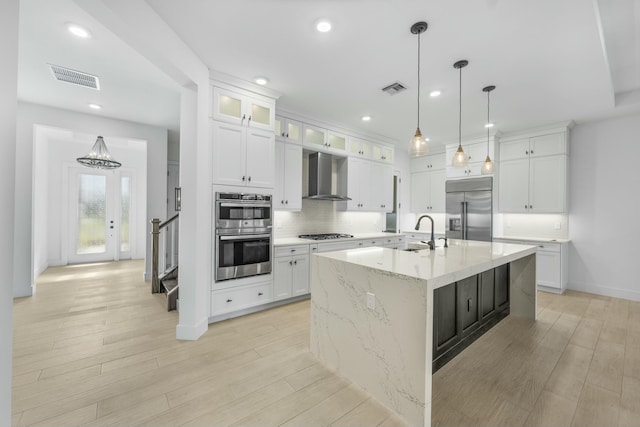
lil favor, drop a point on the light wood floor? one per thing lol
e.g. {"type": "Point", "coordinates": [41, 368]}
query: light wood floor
{"type": "Point", "coordinates": [93, 347]}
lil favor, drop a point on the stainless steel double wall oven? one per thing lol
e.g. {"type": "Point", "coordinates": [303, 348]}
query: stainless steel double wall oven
{"type": "Point", "coordinates": [243, 240]}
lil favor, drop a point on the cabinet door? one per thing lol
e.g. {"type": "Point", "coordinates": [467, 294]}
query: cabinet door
{"type": "Point", "coordinates": [445, 319]}
{"type": "Point", "coordinates": [487, 295]}
{"type": "Point", "coordinates": [336, 142]}
{"type": "Point", "coordinates": [292, 173]}
{"type": "Point", "coordinates": [502, 287]}
{"type": "Point", "coordinates": [228, 154]}
{"type": "Point", "coordinates": [437, 190]}
{"type": "Point", "coordinates": [293, 131]}
{"type": "Point", "coordinates": [517, 149]}
{"type": "Point", "coordinates": [476, 152]}
{"type": "Point", "coordinates": [282, 278]}
{"type": "Point", "coordinates": [300, 275]}
{"type": "Point", "coordinates": [420, 192]}
{"type": "Point", "coordinates": [355, 169]}
{"type": "Point", "coordinates": [548, 269]}
{"type": "Point", "coordinates": [386, 154]}
{"type": "Point", "coordinates": [548, 145]}
{"type": "Point", "coordinates": [260, 158]}
{"type": "Point", "coordinates": [355, 147]}
{"type": "Point", "coordinates": [380, 187]}
{"type": "Point", "coordinates": [547, 184]}
{"type": "Point", "coordinates": [514, 186]}
{"type": "Point", "coordinates": [260, 114]}
{"type": "Point", "coordinates": [278, 126]}
{"type": "Point", "coordinates": [279, 185]}
{"type": "Point", "coordinates": [314, 137]}
{"type": "Point", "coordinates": [468, 304]}
{"type": "Point", "coordinates": [228, 106]}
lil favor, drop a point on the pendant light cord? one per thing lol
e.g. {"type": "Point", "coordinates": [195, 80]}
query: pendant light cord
{"type": "Point", "coordinates": [460, 111]}
{"type": "Point", "coordinates": [418, 125]}
{"type": "Point", "coordinates": [488, 119]}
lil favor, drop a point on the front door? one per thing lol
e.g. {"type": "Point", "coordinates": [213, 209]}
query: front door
{"type": "Point", "coordinates": [100, 214]}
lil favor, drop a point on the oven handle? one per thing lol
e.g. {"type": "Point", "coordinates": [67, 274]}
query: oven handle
{"type": "Point", "coordinates": [246, 237]}
{"type": "Point", "coordinates": [244, 205]}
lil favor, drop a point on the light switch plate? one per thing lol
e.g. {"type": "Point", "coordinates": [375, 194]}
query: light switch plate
{"type": "Point", "coordinates": [371, 301]}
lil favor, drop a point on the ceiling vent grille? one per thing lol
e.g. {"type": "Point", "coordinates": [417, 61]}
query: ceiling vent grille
{"type": "Point", "coordinates": [75, 77]}
{"type": "Point", "coordinates": [394, 88]}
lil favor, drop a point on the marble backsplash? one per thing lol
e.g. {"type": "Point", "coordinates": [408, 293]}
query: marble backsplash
{"type": "Point", "coordinates": [322, 216]}
{"type": "Point", "coordinates": [543, 226]}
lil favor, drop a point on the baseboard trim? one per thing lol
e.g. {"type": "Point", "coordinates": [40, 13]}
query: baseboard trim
{"type": "Point", "coordinates": [605, 291]}
{"type": "Point", "coordinates": [191, 332]}
{"type": "Point", "coordinates": [257, 308]}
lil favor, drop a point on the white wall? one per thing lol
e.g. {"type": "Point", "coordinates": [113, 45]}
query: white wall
{"type": "Point", "coordinates": [8, 101]}
{"type": "Point", "coordinates": [605, 207]}
{"type": "Point", "coordinates": [30, 115]}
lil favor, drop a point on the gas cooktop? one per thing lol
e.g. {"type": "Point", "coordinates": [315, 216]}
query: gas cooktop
{"type": "Point", "coordinates": [325, 236]}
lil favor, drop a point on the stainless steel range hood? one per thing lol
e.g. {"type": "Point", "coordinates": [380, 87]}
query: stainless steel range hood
{"type": "Point", "coordinates": [320, 178]}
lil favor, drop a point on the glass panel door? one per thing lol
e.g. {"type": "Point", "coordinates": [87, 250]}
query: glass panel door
{"type": "Point", "coordinates": [125, 213]}
{"type": "Point", "coordinates": [91, 215]}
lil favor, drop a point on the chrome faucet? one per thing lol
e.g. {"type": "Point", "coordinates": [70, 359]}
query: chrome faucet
{"type": "Point", "coordinates": [432, 242]}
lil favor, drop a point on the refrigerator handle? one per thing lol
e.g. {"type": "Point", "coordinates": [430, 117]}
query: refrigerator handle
{"type": "Point", "coordinates": [464, 220]}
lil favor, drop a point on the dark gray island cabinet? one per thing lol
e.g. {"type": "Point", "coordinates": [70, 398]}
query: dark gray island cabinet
{"type": "Point", "coordinates": [466, 309]}
{"type": "Point", "coordinates": [381, 317]}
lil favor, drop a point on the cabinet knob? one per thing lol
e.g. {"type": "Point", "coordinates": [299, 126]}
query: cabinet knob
{"type": "Point", "coordinates": [293, 250]}
{"type": "Point", "coordinates": [531, 151]}
{"type": "Point", "coordinates": [295, 262]}
{"type": "Point", "coordinates": [249, 118]}
{"type": "Point", "coordinates": [469, 156]}
{"type": "Point", "coordinates": [287, 135]}
{"type": "Point", "coordinates": [286, 202]}
{"type": "Point", "coordinates": [244, 116]}
{"type": "Point", "coordinates": [229, 300]}
{"type": "Point", "coordinates": [290, 262]}
{"type": "Point", "coordinates": [282, 134]}
{"type": "Point", "coordinates": [243, 178]}
{"type": "Point", "coordinates": [282, 202]}
{"type": "Point", "coordinates": [260, 294]}
{"type": "Point", "coordinates": [249, 179]}
{"type": "Point", "coordinates": [526, 152]}
{"type": "Point", "coordinates": [530, 206]}
{"type": "Point", "coordinates": [526, 207]}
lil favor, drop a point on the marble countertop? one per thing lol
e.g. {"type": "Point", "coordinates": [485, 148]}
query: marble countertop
{"type": "Point", "coordinates": [533, 239]}
{"type": "Point", "coordinates": [283, 241]}
{"type": "Point", "coordinates": [463, 258]}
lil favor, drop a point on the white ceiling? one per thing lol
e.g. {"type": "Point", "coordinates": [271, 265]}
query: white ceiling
{"type": "Point", "coordinates": [546, 57]}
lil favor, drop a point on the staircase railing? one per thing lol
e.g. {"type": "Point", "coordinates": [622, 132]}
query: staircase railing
{"type": "Point", "coordinates": [168, 246]}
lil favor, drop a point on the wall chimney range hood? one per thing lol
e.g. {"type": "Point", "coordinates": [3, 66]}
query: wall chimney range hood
{"type": "Point", "coordinates": [320, 178]}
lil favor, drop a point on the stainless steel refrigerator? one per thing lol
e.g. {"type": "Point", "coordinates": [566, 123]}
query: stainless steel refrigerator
{"type": "Point", "coordinates": [469, 209]}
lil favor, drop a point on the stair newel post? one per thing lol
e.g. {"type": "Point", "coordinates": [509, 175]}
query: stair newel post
{"type": "Point", "coordinates": [155, 232]}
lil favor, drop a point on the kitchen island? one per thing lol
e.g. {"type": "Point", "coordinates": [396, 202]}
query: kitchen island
{"type": "Point", "coordinates": [372, 312]}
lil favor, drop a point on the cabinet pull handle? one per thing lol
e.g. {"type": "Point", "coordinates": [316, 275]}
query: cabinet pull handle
{"type": "Point", "coordinates": [530, 206]}
{"type": "Point", "coordinates": [525, 206]}
{"type": "Point", "coordinates": [287, 135]}
{"type": "Point", "coordinates": [243, 178]}
{"type": "Point", "coordinates": [286, 202]}
{"type": "Point", "coordinates": [229, 300]}
{"type": "Point", "coordinates": [244, 116]}
{"type": "Point", "coordinates": [541, 246]}
{"type": "Point", "coordinates": [293, 250]}
{"type": "Point", "coordinates": [526, 152]}
{"type": "Point", "coordinates": [531, 151]}
{"type": "Point", "coordinates": [282, 202]}
{"type": "Point", "coordinates": [249, 118]}
{"type": "Point", "coordinates": [260, 294]}
{"type": "Point", "coordinates": [290, 262]}
{"type": "Point", "coordinates": [469, 302]}
{"type": "Point", "coordinates": [249, 179]}
{"type": "Point", "coordinates": [295, 262]}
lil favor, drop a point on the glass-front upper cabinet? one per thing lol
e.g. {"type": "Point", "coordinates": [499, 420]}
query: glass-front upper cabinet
{"type": "Point", "coordinates": [244, 110]}
{"type": "Point", "coordinates": [288, 130]}
{"type": "Point", "coordinates": [360, 148]}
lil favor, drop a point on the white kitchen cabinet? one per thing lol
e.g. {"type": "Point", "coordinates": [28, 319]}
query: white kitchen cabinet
{"type": "Point", "coordinates": [428, 191]}
{"type": "Point", "coordinates": [369, 185]}
{"type": "Point", "coordinates": [242, 156]}
{"type": "Point", "coordinates": [428, 163]}
{"type": "Point", "coordinates": [240, 297]}
{"type": "Point", "coordinates": [382, 153]}
{"type": "Point", "coordinates": [476, 152]}
{"type": "Point", "coordinates": [552, 264]}
{"type": "Point", "coordinates": [533, 175]}
{"type": "Point", "coordinates": [287, 194]}
{"type": "Point", "coordinates": [288, 130]}
{"type": "Point", "coordinates": [360, 148]}
{"type": "Point", "coordinates": [319, 139]}
{"type": "Point", "coordinates": [243, 109]}
{"type": "Point", "coordinates": [291, 271]}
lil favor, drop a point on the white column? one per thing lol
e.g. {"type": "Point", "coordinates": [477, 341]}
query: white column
{"type": "Point", "coordinates": [8, 109]}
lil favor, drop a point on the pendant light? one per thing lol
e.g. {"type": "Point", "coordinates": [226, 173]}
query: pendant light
{"type": "Point", "coordinates": [460, 159]}
{"type": "Point", "coordinates": [418, 144]}
{"type": "Point", "coordinates": [99, 157]}
{"type": "Point", "coordinates": [487, 166]}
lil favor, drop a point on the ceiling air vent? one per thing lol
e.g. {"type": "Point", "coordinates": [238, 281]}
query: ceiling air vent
{"type": "Point", "coordinates": [394, 88]}
{"type": "Point", "coordinates": [75, 77]}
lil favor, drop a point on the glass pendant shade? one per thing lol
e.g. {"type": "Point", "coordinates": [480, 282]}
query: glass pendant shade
{"type": "Point", "coordinates": [418, 145]}
{"type": "Point", "coordinates": [99, 157]}
{"type": "Point", "coordinates": [460, 159]}
{"type": "Point", "coordinates": [487, 166]}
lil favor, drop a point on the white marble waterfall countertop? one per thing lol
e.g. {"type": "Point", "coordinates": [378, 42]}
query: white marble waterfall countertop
{"type": "Point", "coordinates": [463, 258]}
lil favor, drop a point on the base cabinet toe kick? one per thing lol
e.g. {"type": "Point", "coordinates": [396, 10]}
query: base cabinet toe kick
{"type": "Point", "coordinates": [387, 319]}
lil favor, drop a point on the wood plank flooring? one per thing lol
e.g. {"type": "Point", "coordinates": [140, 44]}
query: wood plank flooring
{"type": "Point", "coordinates": [94, 347]}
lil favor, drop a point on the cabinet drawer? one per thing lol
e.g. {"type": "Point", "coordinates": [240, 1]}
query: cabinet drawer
{"type": "Point", "coordinates": [546, 247]}
{"type": "Point", "coordinates": [281, 251]}
{"type": "Point", "coordinates": [240, 297]}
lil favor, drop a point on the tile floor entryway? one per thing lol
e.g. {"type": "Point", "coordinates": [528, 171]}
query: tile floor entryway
{"type": "Point", "coordinates": [94, 347]}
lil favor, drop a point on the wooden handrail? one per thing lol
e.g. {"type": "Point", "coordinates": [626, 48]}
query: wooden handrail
{"type": "Point", "coordinates": [156, 226]}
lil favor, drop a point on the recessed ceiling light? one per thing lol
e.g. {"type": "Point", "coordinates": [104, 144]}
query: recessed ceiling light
{"type": "Point", "coordinates": [323, 25]}
{"type": "Point", "coordinates": [489, 125]}
{"type": "Point", "coordinates": [95, 106]}
{"type": "Point", "coordinates": [78, 31]}
{"type": "Point", "coordinates": [366, 118]}
{"type": "Point", "coordinates": [434, 93]}
{"type": "Point", "coordinates": [261, 80]}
